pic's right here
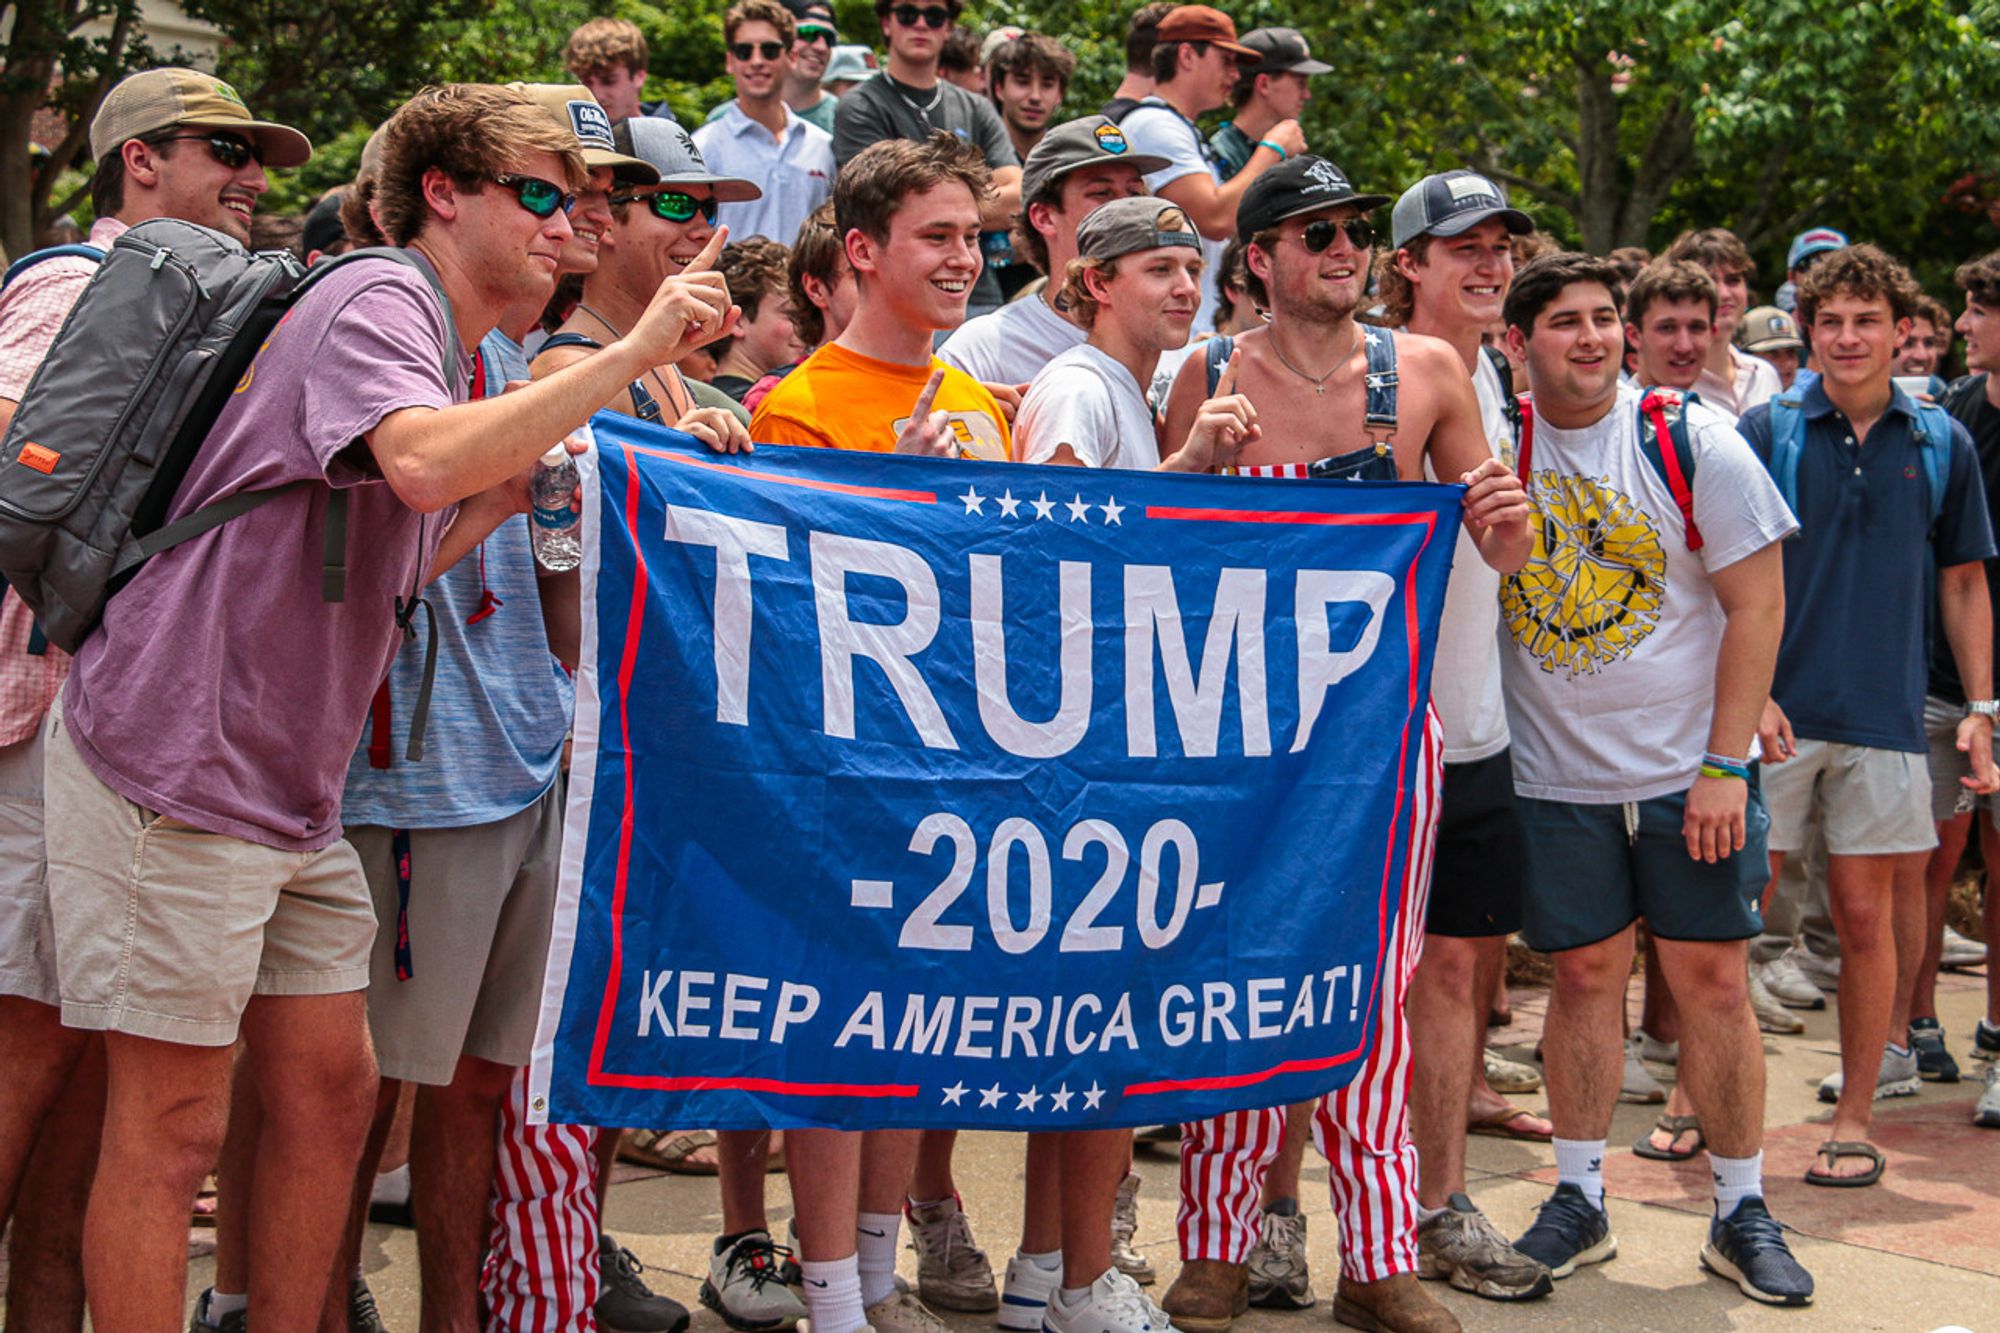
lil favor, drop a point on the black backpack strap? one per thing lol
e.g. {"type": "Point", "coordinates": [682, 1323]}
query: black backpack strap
{"type": "Point", "coordinates": [556, 340]}
{"type": "Point", "coordinates": [406, 612]}
{"type": "Point", "coordinates": [1381, 409]}
{"type": "Point", "coordinates": [644, 405]}
{"type": "Point", "coordinates": [333, 557]}
{"type": "Point", "coordinates": [1503, 370]}
{"type": "Point", "coordinates": [1217, 352]}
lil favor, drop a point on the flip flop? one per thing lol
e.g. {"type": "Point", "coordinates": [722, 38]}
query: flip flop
{"type": "Point", "coordinates": [1675, 1125]}
{"type": "Point", "coordinates": [1839, 1148]}
{"type": "Point", "coordinates": [1503, 1125]}
{"type": "Point", "coordinates": [203, 1213]}
{"type": "Point", "coordinates": [667, 1150]}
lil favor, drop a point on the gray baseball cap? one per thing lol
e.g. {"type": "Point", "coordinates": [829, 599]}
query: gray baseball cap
{"type": "Point", "coordinates": [1451, 203]}
{"type": "Point", "coordinates": [1086, 142]}
{"type": "Point", "coordinates": [849, 64]}
{"type": "Point", "coordinates": [666, 147]}
{"type": "Point", "coordinates": [1127, 226]}
{"type": "Point", "coordinates": [1284, 51]}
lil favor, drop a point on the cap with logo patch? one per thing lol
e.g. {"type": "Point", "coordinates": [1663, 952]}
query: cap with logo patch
{"type": "Point", "coordinates": [1284, 51]}
{"type": "Point", "coordinates": [573, 106]}
{"type": "Point", "coordinates": [1090, 141]}
{"type": "Point", "coordinates": [169, 97]}
{"type": "Point", "coordinates": [1450, 204]}
{"type": "Point", "coordinates": [1303, 184]}
{"type": "Point", "coordinates": [666, 147]}
{"type": "Point", "coordinates": [1768, 329]}
{"type": "Point", "coordinates": [1129, 225]}
{"type": "Point", "coordinates": [1202, 23]}
{"type": "Point", "coordinates": [1816, 241]}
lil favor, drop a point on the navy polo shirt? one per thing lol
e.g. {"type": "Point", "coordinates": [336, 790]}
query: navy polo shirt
{"type": "Point", "coordinates": [1852, 664]}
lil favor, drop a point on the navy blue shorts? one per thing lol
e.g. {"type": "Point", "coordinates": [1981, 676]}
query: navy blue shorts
{"type": "Point", "coordinates": [1476, 879]}
{"type": "Point", "coordinates": [1588, 880]}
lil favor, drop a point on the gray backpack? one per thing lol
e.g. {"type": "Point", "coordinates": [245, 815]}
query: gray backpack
{"type": "Point", "coordinates": [118, 409]}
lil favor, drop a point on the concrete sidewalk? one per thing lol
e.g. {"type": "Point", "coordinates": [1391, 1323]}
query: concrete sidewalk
{"type": "Point", "coordinates": [1918, 1251]}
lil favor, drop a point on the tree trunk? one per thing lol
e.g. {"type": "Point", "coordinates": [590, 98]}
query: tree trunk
{"type": "Point", "coordinates": [1596, 150]}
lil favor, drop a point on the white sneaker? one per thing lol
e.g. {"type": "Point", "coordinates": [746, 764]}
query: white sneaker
{"type": "Point", "coordinates": [1821, 972]}
{"type": "Point", "coordinates": [1025, 1298]}
{"type": "Point", "coordinates": [952, 1271]}
{"type": "Point", "coordinates": [1659, 1052]}
{"type": "Point", "coordinates": [1960, 952]}
{"type": "Point", "coordinates": [1772, 1016]}
{"type": "Point", "coordinates": [1124, 1226]}
{"type": "Point", "coordinates": [1896, 1076]}
{"type": "Point", "coordinates": [1987, 1113]}
{"type": "Point", "coordinates": [746, 1285]}
{"type": "Point", "coordinates": [903, 1313]}
{"type": "Point", "coordinates": [1115, 1304]}
{"type": "Point", "coordinates": [1784, 980]}
{"type": "Point", "coordinates": [1638, 1085]}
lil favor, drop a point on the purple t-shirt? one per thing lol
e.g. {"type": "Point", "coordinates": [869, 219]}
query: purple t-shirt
{"type": "Point", "coordinates": [220, 689]}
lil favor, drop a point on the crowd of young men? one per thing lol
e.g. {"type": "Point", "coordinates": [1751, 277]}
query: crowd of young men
{"type": "Point", "coordinates": [234, 931]}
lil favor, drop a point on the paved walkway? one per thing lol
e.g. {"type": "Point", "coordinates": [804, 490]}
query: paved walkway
{"type": "Point", "coordinates": [1919, 1251]}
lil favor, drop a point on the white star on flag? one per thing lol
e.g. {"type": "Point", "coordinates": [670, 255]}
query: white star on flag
{"type": "Point", "coordinates": [990, 1096]}
{"type": "Point", "coordinates": [974, 501]}
{"type": "Point", "coordinates": [1008, 504]}
{"type": "Point", "coordinates": [1059, 1099]}
{"type": "Point", "coordinates": [1043, 506]}
{"type": "Point", "coordinates": [1029, 1100]}
{"type": "Point", "coordinates": [1079, 512]}
{"type": "Point", "coordinates": [1112, 509]}
{"type": "Point", "coordinates": [954, 1094]}
{"type": "Point", "coordinates": [1092, 1097]}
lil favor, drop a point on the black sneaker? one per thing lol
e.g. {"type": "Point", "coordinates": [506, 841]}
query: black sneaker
{"type": "Point", "coordinates": [1934, 1062]}
{"type": "Point", "coordinates": [362, 1316]}
{"type": "Point", "coordinates": [626, 1304]}
{"type": "Point", "coordinates": [233, 1322]}
{"type": "Point", "coordinates": [1568, 1232]}
{"type": "Point", "coordinates": [1985, 1041]}
{"type": "Point", "coordinates": [1748, 1248]}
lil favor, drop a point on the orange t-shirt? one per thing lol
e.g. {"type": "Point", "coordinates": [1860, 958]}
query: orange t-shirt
{"type": "Point", "coordinates": [839, 399]}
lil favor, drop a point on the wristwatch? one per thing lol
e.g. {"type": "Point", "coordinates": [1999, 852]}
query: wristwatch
{"type": "Point", "coordinates": [1986, 708]}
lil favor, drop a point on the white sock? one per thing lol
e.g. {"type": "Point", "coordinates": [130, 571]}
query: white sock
{"type": "Point", "coordinates": [1580, 1162]}
{"type": "Point", "coordinates": [1898, 1051]}
{"type": "Point", "coordinates": [1074, 1295]}
{"type": "Point", "coordinates": [875, 1236]}
{"type": "Point", "coordinates": [1426, 1214]}
{"type": "Point", "coordinates": [1048, 1263]}
{"type": "Point", "coordinates": [1736, 1179]}
{"type": "Point", "coordinates": [833, 1295]}
{"type": "Point", "coordinates": [222, 1303]}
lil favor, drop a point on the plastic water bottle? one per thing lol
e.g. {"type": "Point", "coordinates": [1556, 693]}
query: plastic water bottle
{"type": "Point", "coordinates": [554, 524]}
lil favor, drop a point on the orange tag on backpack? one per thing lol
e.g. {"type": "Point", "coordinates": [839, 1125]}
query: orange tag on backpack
{"type": "Point", "coordinates": [39, 458]}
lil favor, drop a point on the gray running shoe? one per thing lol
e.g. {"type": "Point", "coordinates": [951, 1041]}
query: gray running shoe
{"type": "Point", "coordinates": [1638, 1085]}
{"type": "Point", "coordinates": [233, 1322]}
{"type": "Point", "coordinates": [952, 1271]}
{"type": "Point", "coordinates": [1821, 971]}
{"type": "Point", "coordinates": [1783, 979]}
{"type": "Point", "coordinates": [1987, 1113]}
{"type": "Point", "coordinates": [1460, 1246]}
{"type": "Point", "coordinates": [1278, 1276]}
{"type": "Point", "coordinates": [746, 1284]}
{"type": "Point", "coordinates": [1896, 1076]}
{"type": "Point", "coordinates": [625, 1304]}
{"type": "Point", "coordinates": [1772, 1016]}
{"type": "Point", "coordinates": [1124, 1226]}
{"type": "Point", "coordinates": [362, 1316]}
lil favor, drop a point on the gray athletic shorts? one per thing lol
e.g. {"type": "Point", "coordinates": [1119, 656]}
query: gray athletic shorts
{"type": "Point", "coordinates": [1871, 802]}
{"type": "Point", "coordinates": [1949, 796]}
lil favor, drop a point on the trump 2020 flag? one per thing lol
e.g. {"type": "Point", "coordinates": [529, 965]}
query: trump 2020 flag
{"type": "Point", "coordinates": [940, 793]}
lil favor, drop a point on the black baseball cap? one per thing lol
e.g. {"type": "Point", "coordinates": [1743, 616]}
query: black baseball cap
{"type": "Point", "coordinates": [1303, 184]}
{"type": "Point", "coordinates": [1451, 203]}
{"type": "Point", "coordinates": [1284, 51]}
{"type": "Point", "coordinates": [323, 229]}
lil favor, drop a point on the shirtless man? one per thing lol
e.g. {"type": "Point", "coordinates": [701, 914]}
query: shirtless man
{"type": "Point", "coordinates": [1335, 399]}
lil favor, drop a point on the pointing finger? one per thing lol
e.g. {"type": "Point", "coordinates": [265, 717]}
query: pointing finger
{"type": "Point", "coordinates": [710, 252]}
{"type": "Point", "coordinates": [924, 399]}
{"type": "Point", "coordinates": [1226, 384]}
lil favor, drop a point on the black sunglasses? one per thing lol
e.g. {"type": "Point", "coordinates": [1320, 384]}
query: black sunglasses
{"type": "Point", "coordinates": [228, 149]}
{"type": "Point", "coordinates": [672, 205]}
{"type": "Point", "coordinates": [744, 50]}
{"type": "Point", "coordinates": [935, 16]}
{"type": "Point", "coordinates": [1319, 235]}
{"type": "Point", "coordinates": [540, 197]}
{"type": "Point", "coordinates": [816, 32]}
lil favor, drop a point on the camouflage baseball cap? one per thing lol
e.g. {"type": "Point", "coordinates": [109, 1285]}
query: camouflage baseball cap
{"type": "Point", "coordinates": [161, 99]}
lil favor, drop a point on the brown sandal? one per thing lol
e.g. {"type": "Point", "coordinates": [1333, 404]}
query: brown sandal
{"type": "Point", "coordinates": [668, 1150]}
{"type": "Point", "coordinates": [1675, 1125]}
{"type": "Point", "coordinates": [1835, 1149]}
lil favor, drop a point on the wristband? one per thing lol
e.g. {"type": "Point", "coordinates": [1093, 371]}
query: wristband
{"type": "Point", "coordinates": [1266, 143]}
{"type": "Point", "coordinates": [1738, 772]}
{"type": "Point", "coordinates": [1724, 761]}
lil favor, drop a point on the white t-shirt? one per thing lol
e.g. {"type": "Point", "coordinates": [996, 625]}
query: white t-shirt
{"type": "Point", "coordinates": [1155, 128]}
{"type": "Point", "coordinates": [1465, 676]}
{"type": "Point", "coordinates": [1087, 400]}
{"type": "Point", "coordinates": [1612, 635]}
{"type": "Point", "coordinates": [1012, 344]}
{"type": "Point", "coordinates": [1167, 370]}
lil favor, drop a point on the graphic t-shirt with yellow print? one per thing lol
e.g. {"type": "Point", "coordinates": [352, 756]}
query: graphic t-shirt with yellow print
{"type": "Point", "coordinates": [1610, 632]}
{"type": "Point", "coordinates": [839, 399]}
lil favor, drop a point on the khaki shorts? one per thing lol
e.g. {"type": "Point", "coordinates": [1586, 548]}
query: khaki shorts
{"type": "Point", "coordinates": [482, 902]}
{"type": "Point", "coordinates": [1949, 798]}
{"type": "Point", "coordinates": [165, 931]}
{"type": "Point", "coordinates": [27, 937]}
{"type": "Point", "coordinates": [1871, 802]}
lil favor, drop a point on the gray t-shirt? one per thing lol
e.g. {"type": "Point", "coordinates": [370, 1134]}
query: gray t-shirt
{"type": "Point", "coordinates": [1086, 399]}
{"type": "Point", "coordinates": [882, 109]}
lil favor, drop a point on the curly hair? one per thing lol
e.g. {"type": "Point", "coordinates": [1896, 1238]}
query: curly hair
{"type": "Point", "coordinates": [1397, 292]}
{"type": "Point", "coordinates": [1932, 309]}
{"type": "Point", "coordinates": [755, 271]}
{"type": "Point", "coordinates": [1863, 271]}
{"type": "Point", "coordinates": [1031, 53]}
{"type": "Point", "coordinates": [1542, 280]}
{"type": "Point", "coordinates": [875, 182]}
{"type": "Point", "coordinates": [816, 254]}
{"type": "Point", "coordinates": [472, 132]}
{"type": "Point", "coordinates": [1980, 279]}
{"type": "Point", "coordinates": [1669, 280]}
{"type": "Point", "coordinates": [605, 44]}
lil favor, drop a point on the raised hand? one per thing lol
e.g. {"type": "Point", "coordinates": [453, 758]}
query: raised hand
{"type": "Point", "coordinates": [690, 308]}
{"type": "Point", "coordinates": [1222, 426]}
{"type": "Point", "coordinates": [716, 427]}
{"type": "Point", "coordinates": [926, 433]}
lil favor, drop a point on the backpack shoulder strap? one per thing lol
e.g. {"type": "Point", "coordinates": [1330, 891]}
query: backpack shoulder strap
{"type": "Point", "coordinates": [1503, 370]}
{"type": "Point", "coordinates": [569, 340]}
{"type": "Point", "coordinates": [1215, 354]}
{"type": "Point", "coordinates": [79, 251]}
{"type": "Point", "coordinates": [1381, 382]}
{"type": "Point", "coordinates": [1934, 438]}
{"type": "Point", "coordinates": [1788, 439]}
{"type": "Point", "coordinates": [1663, 438]}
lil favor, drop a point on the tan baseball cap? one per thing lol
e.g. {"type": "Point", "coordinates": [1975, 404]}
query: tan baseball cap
{"type": "Point", "coordinates": [160, 99]}
{"type": "Point", "coordinates": [580, 114]}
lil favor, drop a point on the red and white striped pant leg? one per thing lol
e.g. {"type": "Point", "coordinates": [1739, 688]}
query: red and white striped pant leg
{"type": "Point", "coordinates": [1223, 1163]}
{"type": "Point", "coordinates": [1363, 1130]}
{"type": "Point", "coordinates": [541, 1272]}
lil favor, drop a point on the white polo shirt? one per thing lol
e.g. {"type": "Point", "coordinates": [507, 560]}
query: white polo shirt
{"type": "Point", "coordinates": [795, 171]}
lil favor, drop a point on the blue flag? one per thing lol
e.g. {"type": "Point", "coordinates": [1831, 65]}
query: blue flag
{"type": "Point", "coordinates": [939, 793]}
